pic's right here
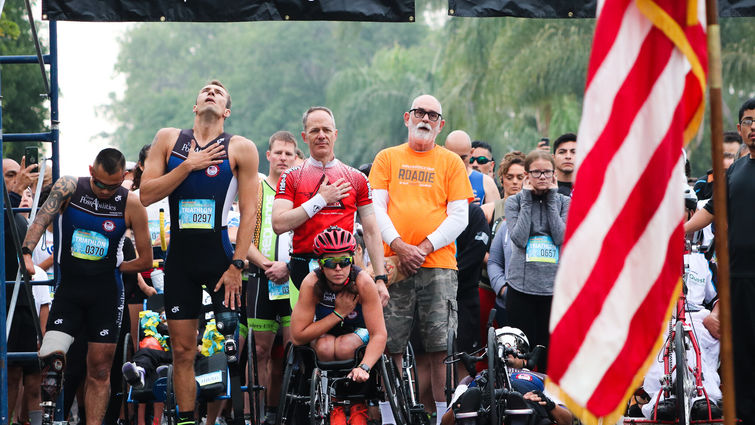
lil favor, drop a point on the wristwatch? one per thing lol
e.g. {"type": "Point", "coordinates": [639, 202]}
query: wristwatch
{"type": "Point", "coordinates": [239, 264]}
{"type": "Point", "coordinates": [382, 277]}
{"type": "Point", "coordinates": [25, 250]}
{"type": "Point", "coordinates": [364, 367]}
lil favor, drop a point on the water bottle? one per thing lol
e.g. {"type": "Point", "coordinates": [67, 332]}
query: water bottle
{"type": "Point", "coordinates": [158, 280]}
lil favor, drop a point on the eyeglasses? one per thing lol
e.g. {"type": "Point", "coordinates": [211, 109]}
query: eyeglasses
{"type": "Point", "coordinates": [538, 173]}
{"type": "Point", "coordinates": [104, 186]}
{"type": "Point", "coordinates": [332, 262]}
{"type": "Point", "coordinates": [482, 160]}
{"type": "Point", "coordinates": [747, 122]}
{"type": "Point", "coordinates": [431, 115]}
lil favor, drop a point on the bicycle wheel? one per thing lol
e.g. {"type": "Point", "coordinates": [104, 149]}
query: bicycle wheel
{"type": "Point", "coordinates": [683, 401]}
{"type": "Point", "coordinates": [394, 392]}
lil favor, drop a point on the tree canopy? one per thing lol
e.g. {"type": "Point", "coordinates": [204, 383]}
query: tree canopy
{"type": "Point", "coordinates": [24, 110]}
{"type": "Point", "coordinates": [506, 81]}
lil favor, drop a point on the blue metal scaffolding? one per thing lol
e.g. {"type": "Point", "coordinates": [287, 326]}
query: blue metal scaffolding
{"type": "Point", "coordinates": [52, 137]}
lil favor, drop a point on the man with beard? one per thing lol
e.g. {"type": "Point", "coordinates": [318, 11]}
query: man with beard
{"type": "Point", "coordinates": [740, 198]}
{"type": "Point", "coordinates": [565, 154]}
{"type": "Point", "coordinates": [428, 180]}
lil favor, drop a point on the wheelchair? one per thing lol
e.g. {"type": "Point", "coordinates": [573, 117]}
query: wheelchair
{"type": "Point", "coordinates": [216, 378]}
{"type": "Point", "coordinates": [311, 388]}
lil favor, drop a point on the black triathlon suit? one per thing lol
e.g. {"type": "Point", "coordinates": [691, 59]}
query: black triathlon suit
{"type": "Point", "coordinates": [200, 251]}
{"type": "Point", "coordinates": [90, 294]}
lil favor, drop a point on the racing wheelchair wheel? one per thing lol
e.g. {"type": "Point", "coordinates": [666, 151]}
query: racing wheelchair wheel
{"type": "Point", "coordinates": [255, 392]}
{"type": "Point", "coordinates": [292, 388]}
{"type": "Point", "coordinates": [128, 351]}
{"type": "Point", "coordinates": [318, 399]}
{"type": "Point", "coordinates": [451, 377]}
{"type": "Point", "coordinates": [170, 410]}
{"type": "Point", "coordinates": [393, 389]}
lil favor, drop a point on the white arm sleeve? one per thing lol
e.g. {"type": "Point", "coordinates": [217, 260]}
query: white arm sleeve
{"type": "Point", "coordinates": [387, 230]}
{"type": "Point", "coordinates": [452, 226]}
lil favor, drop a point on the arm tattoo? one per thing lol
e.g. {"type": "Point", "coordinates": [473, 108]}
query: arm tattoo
{"type": "Point", "coordinates": [56, 202]}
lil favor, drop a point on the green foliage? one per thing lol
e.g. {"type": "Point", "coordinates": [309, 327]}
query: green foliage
{"type": "Point", "coordinates": [506, 81]}
{"type": "Point", "coordinates": [23, 109]}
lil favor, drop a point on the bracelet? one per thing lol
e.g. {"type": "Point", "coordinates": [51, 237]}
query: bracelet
{"type": "Point", "coordinates": [338, 315]}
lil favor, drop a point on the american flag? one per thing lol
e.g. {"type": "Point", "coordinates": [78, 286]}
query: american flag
{"type": "Point", "coordinates": [621, 261]}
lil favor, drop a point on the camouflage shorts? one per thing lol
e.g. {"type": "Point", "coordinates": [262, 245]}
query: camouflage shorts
{"type": "Point", "coordinates": [433, 293]}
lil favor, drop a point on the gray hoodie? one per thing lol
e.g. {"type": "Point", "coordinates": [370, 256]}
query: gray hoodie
{"type": "Point", "coordinates": [540, 222]}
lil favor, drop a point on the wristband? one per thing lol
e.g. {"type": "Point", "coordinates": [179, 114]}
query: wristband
{"type": "Point", "coordinates": [338, 315]}
{"type": "Point", "coordinates": [25, 250]}
{"type": "Point", "coordinates": [314, 205]}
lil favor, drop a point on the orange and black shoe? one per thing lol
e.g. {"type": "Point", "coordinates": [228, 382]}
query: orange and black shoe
{"type": "Point", "coordinates": [337, 416]}
{"type": "Point", "coordinates": [358, 414]}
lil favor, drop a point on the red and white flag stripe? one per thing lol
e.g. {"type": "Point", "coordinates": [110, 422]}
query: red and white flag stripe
{"type": "Point", "coordinates": [622, 256]}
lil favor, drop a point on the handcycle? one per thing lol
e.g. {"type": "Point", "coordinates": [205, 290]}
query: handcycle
{"type": "Point", "coordinates": [495, 401]}
{"type": "Point", "coordinates": [681, 380]}
{"type": "Point", "coordinates": [311, 388]}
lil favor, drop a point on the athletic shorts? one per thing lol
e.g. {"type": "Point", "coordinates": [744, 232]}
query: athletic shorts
{"type": "Point", "coordinates": [433, 293]}
{"type": "Point", "coordinates": [93, 303]}
{"type": "Point", "coordinates": [186, 270]}
{"type": "Point", "coordinates": [264, 314]}
{"type": "Point", "coordinates": [339, 330]}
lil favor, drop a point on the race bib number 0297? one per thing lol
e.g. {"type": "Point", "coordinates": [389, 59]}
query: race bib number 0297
{"type": "Point", "coordinates": [196, 214]}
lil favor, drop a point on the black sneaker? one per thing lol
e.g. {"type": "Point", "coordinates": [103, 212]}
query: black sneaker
{"type": "Point", "coordinates": [667, 410]}
{"type": "Point", "coordinates": [700, 410]}
{"type": "Point", "coordinates": [133, 374]}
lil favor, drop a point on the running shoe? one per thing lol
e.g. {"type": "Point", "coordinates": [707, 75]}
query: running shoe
{"type": "Point", "coordinates": [358, 414]}
{"type": "Point", "coordinates": [133, 374]}
{"type": "Point", "coordinates": [338, 416]}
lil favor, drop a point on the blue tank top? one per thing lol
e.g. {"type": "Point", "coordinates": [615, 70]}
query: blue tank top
{"type": "Point", "coordinates": [199, 205]}
{"type": "Point", "coordinates": [92, 231]}
{"type": "Point", "coordinates": [327, 303]}
{"type": "Point", "coordinates": [475, 178]}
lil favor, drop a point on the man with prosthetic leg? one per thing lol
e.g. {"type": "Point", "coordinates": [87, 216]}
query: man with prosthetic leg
{"type": "Point", "coordinates": [201, 170]}
{"type": "Point", "coordinates": [93, 215]}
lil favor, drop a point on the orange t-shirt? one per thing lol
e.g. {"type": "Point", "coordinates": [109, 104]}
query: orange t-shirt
{"type": "Point", "coordinates": [420, 185]}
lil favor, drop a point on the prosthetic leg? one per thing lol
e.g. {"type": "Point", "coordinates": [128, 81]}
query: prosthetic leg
{"type": "Point", "coordinates": [52, 359]}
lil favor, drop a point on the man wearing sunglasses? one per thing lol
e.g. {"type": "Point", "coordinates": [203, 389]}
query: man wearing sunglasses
{"type": "Point", "coordinates": [482, 158]}
{"type": "Point", "coordinates": [201, 170]}
{"type": "Point", "coordinates": [422, 196]}
{"type": "Point", "coordinates": [94, 213]}
{"type": "Point", "coordinates": [485, 190]}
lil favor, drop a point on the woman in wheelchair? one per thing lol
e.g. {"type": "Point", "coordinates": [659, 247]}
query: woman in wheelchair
{"type": "Point", "coordinates": [339, 308]}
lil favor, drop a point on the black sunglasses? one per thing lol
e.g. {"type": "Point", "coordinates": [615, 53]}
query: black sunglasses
{"type": "Point", "coordinates": [104, 186]}
{"type": "Point", "coordinates": [332, 262]}
{"type": "Point", "coordinates": [482, 160]}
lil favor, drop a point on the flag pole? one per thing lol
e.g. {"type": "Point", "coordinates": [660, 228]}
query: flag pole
{"type": "Point", "coordinates": [715, 81]}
